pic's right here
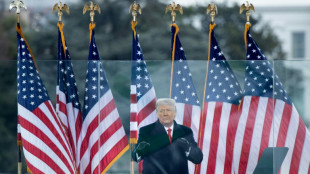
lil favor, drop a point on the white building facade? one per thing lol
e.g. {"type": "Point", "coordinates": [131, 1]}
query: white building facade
{"type": "Point", "coordinates": [292, 26]}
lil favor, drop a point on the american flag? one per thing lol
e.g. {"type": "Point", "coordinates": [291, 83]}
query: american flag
{"type": "Point", "coordinates": [220, 112]}
{"type": "Point", "coordinates": [268, 119]}
{"type": "Point", "coordinates": [103, 136]}
{"type": "Point", "coordinates": [68, 104]}
{"type": "Point", "coordinates": [46, 147]}
{"type": "Point", "coordinates": [142, 93]}
{"type": "Point", "coordinates": [183, 89]}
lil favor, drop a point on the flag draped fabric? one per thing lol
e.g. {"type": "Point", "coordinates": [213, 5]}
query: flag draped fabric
{"type": "Point", "coordinates": [103, 136]}
{"type": "Point", "coordinates": [268, 119]}
{"type": "Point", "coordinates": [46, 147]}
{"type": "Point", "coordinates": [68, 104]}
{"type": "Point", "coordinates": [183, 89]}
{"type": "Point", "coordinates": [222, 95]}
{"type": "Point", "coordinates": [142, 93]}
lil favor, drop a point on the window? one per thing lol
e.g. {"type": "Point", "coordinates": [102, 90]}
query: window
{"type": "Point", "coordinates": [298, 44]}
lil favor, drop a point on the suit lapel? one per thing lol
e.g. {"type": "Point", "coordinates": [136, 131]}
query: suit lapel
{"type": "Point", "coordinates": [159, 130]}
{"type": "Point", "coordinates": [159, 136]}
{"type": "Point", "coordinates": [177, 131]}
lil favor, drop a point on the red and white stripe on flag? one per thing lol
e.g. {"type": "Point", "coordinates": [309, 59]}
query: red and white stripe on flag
{"type": "Point", "coordinates": [61, 108]}
{"type": "Point", "coordinates": [142, 112]}
{"type": "Point", "coordinates": [133, 115]}
{"type": "Point", "coordinates": [103, 138]}
{"type": "Point", "coordinates": [267, 122]}
{"type": "Point", "coordinates": [219, 123]}
{"type": "Point", "coordinates": [268, 118]}
{"type": "Point", "coordinates": [71, 118]}
{"type": "Point", "coordinates": [189, 115]}
{"type": "Point", "coordinates": [68, 104]}
{"type": "Point", "coordinates": [142, 93]}
{"type": "Point", "coordinates": [45, 145]}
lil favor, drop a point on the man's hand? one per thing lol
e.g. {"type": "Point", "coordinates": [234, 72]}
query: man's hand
{"type": "Point", "coordinates": [142, 148]}
{"type": "Point", "coordinates": [184, 145]}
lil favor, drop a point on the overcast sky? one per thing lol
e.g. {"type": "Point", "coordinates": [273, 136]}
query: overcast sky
{"type": "Point", "coordinates": [254, 2]}
{"type": "Point", "coordinates": [257, 3]}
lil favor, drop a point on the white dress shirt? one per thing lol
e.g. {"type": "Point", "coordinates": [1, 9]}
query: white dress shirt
{"type": "Point", "coordinates": [171, 127]}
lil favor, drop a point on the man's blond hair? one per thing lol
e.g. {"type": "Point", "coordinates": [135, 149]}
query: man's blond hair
{"type": "Point", "coordinates": [166, 101]}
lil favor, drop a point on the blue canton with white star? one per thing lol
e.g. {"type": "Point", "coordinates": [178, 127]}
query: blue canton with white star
{"type": "Point", "coordinates": [183, 90]}
{"type": "Point", "coordinates": [31, 91]}
{"type": "Point", "coordinates": [66, 79]}
{"type": "Point", "coordinates": [260, 77]}
{"type": "Point", "coordinates": [140, 76]}
{"type": "Point", "coordinates": [222, 85]}
{"type": "Point", "coordinates": [96, 83]}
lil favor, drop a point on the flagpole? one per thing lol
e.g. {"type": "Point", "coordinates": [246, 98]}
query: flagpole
{"type": "Point", "coordinates": [247, 26]}
{"type": "Point", "coordinates": [60, 8]}
{"type": "Point", "coordinates": [132, 164]}
{"type": "Point", "coordinates": [19, 160]}
{"type": "Point", "coordinates": [18, 5]}
{"type": "Point", "coordinates": [213, 9]}
{"type": "Point", "coordinates": [172, 7]}
{"type": "Point", "coordinates": [134, 9]}
{"type": "Point", "coordinates": [92, 8]}
{"type": "Point", "coordinates": [248, 7]}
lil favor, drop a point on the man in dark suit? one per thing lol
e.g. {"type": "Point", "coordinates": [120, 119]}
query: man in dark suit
{"type": "Point", "coordinates": [166, 146]}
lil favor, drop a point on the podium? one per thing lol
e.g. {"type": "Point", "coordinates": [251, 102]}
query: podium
{"type": "Point", "coordinates": [271, 160]}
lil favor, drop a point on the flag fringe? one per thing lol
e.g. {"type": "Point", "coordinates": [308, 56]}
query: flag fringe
{"type": "Point", "coordinates": [173, 54]}
{"type": "Point", "coordinates": [20, 32]}
{"type": "Point", "coordinates": [115, 159]}
{"type": "Point", "coordinates": [133, 27]}
{"type": "Point", "coordinates": [200, 139]}
{"type": "Point", "coordinates": [91, 27]}
{"type": "Point", "coordinates": [61, 26]}
{"type": "Point", "coordinates": [29, 171]}
{"type": "Point", "coordinates": [247, 27]}
{"type": "Point", "coordinates": [211, 28]}
{"type": "Point", "coordinates": [19, 143]}
{"type": "Point", "coordinates": [133, 141]}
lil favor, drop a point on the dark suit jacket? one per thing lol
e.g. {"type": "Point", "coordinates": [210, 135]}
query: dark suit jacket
{"type": "Point", "coordinates": [163, 157]}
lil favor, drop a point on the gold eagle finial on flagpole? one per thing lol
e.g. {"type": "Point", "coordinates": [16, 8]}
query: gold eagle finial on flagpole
{"type": "Point", "coordinates": [92, 8]}
{"type": "Point", "coordinates": [134, 8]}
{"type": "Point", "coordinates": [174, 8]}
{"type": "Point", "coordinates": [247, 8]}
{"type": "Point", "coordinates": [59, 7]}
{"type": "Point", "coordinates": [18, 4]}
{"type": "Point", "coordinates": [213, 9]}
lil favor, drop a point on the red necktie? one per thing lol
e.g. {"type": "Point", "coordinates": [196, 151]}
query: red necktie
{"type": "Point", "coordinates": [169, 135]}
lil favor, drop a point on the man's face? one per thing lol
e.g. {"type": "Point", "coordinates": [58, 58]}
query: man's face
{"type": "Point", "coordinates": [166, 114]}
